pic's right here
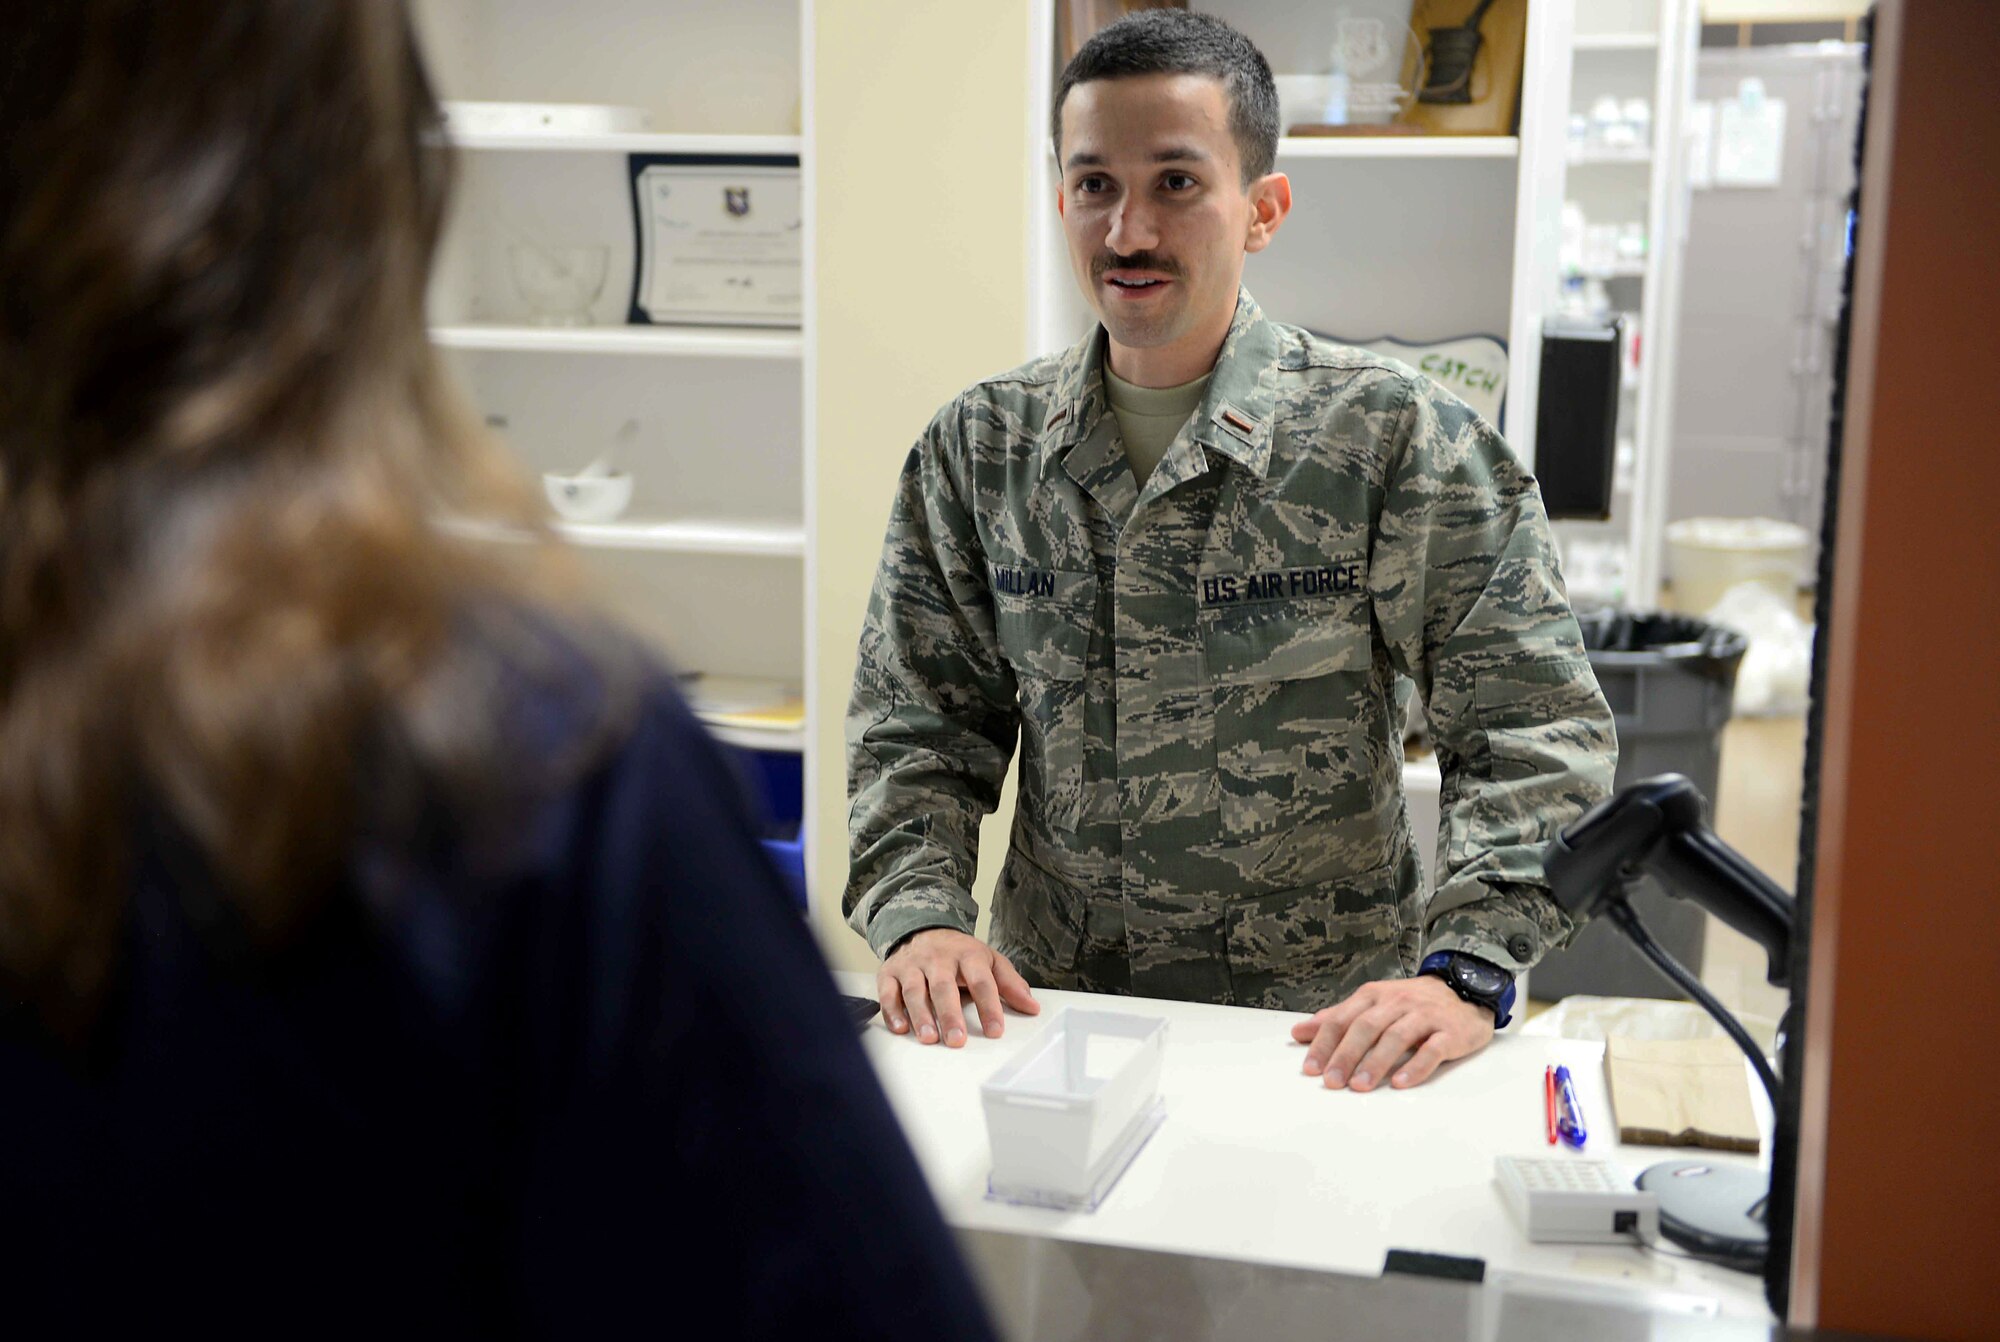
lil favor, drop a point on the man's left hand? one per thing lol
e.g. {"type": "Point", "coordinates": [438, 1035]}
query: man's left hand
{"type": "Point", "coordinates": [1396, 1028]}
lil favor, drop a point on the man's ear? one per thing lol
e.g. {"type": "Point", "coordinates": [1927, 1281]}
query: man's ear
{"type": "Point", "coordinates": [1270, 201]}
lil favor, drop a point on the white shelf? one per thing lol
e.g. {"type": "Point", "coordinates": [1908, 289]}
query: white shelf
{"type": "Point", "coordinates": [707, 538]}
{"type": "Point", "coordinates": [704, 522]}
{"type": "Point", "coordinates": [712, 342]}
{"type": "Point", "coordinates": [1623, 270]}
{"type": "Point", "coordinates": [789, 740]}
{"type": "Point", "coordinates": [1615, 41]}
{"type": "Point", "coordinates": [711, 538]}
{"type": "Point", "coordinates": [634, 142]}
{"type": "Point", "coordinates": [723, 702]}
{"type": "Point", "coordinates": [1296, 147]}
{"type": "Point", "coordinates": [1636, 154]}
{"type": "Point", "coordinates": [1398, 146]}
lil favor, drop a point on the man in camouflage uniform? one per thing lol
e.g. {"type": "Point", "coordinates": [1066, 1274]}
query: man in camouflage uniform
{"type": "Point", "coordinates": [1202, 660]}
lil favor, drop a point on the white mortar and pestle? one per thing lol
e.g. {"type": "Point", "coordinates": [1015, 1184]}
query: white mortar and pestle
{"type": "Point", "coordinates": [599, 492]}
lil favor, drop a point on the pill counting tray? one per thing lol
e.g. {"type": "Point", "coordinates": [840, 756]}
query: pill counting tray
{"type": "Point", "coordinates": [1066, 1117]}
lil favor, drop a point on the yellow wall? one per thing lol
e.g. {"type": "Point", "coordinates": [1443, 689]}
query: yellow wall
{"type": "Point", "coordinates": [920, 141]}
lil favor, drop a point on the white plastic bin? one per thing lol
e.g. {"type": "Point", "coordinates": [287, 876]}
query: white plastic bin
{"type": "Point", "coordinates": [1710, 555]}
{"type": "Point", "coordinates": [1066, 1115]}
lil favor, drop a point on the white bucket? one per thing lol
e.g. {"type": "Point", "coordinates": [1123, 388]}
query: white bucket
{"type": "Point", "coordinates": [1706, 556]}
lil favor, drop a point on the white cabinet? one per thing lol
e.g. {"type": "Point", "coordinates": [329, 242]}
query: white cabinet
{"type": "Point", "coordinates": [699, 69]}
{"type": "Point", "coordinates": [1626, 185]}
{"type": "Point", "coordinates": [707, 561]}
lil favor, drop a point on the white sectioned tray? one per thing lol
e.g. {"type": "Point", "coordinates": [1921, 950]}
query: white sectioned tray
{"type": "Point", "coordinates": [1068, 1114]}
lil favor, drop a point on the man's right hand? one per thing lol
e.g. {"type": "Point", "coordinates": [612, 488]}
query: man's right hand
{"type": "Point", "coordinates": [924, 982]}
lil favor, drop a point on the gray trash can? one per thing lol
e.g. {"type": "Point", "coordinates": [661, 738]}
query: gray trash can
{"type": "Point", "coordinates": [1669, 680]}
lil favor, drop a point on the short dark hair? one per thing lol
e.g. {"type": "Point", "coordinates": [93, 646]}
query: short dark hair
{"type": "Point", "coordinates": [1180, 42]}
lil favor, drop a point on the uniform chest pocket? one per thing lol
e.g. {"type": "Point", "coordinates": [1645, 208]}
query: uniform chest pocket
{"type": "Point", "coordinates": [1044, 620]}
{"type": "Point", "coordinates": [1300, 729]}
{"type": "Point", "coordinates": [1044, 617]}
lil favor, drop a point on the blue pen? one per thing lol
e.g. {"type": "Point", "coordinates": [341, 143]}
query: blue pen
{"type": "Point", "coordinates": [1570, 1125]}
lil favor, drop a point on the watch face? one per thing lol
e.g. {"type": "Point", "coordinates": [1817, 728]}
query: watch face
{"type": "Point", "coordinates": [1481, 978]}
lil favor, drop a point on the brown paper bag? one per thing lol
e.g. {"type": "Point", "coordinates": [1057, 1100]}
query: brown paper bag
{"type": "Point", "coordinates": [1681, 1092]}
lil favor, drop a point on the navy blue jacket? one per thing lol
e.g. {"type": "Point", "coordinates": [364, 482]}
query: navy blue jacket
{"type": "Point", "coordinates": [603, 1086]}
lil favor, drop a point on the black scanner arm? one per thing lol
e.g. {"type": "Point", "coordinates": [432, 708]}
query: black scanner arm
{"type": "Point", "coordinates": [1656, 827]}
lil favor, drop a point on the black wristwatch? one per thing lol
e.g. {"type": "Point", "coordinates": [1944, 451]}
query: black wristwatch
{"type": "Point", "coordinates": [1477, 981]}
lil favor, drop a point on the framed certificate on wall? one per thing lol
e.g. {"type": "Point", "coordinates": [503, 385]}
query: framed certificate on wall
{"type": "Point", "coordinates": [719, 239]}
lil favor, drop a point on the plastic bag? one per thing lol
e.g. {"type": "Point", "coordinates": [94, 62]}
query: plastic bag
{"type": "Point", "coordinates": [1584, 1017]}
{"type": "Point", "coordinates": [1777, 669]}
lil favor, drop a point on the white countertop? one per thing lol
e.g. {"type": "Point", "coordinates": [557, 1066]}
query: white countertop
{"type": "Point", "coordinates": [1260, 1163]}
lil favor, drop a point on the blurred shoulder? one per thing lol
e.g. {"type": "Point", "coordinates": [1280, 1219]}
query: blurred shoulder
{"type": "Point", "coordinates": [1015, 403]}
{"type": "Point", "coordinates": [530, 705]}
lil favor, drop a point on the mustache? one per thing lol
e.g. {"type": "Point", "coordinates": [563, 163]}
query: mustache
{"type": "Point", "coordinates": [1105, 261]}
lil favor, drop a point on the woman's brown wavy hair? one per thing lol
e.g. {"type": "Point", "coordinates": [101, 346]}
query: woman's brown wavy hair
{"type": "Point", "coordinates": [224, 441]}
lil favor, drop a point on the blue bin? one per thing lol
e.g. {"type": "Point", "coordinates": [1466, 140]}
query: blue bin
{"type": "Point", "coordinates": [777, 778]}
{"type": "Point", "coordinates": [789, 857]}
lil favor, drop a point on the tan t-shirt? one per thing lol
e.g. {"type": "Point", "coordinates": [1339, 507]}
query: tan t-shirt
{"type": "Point", "coordinates": [1149, 417]}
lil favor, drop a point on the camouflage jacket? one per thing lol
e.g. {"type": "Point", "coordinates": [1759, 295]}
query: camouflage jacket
{"type": "Point", "coordinates": [1205, 677]}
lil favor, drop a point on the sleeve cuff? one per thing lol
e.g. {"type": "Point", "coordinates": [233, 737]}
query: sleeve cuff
{"type": "Point", "coordinates": [901, 920]}
{"type": "Point", "coordinates": [1512, 943]}
{"type": "Point", "coordinates": [1505, 923]}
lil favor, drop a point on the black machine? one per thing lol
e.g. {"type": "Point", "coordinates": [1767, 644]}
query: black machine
{"type": "Point", "coordinates": [1658, 828]}
{"type": "Point", "coordinates": [860, 1010]}
{"type": "Point", "coordinates": [1576, 417]}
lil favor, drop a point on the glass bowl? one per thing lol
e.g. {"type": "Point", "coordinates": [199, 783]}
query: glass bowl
{"type": "Point", "coordinates": [559, 283]}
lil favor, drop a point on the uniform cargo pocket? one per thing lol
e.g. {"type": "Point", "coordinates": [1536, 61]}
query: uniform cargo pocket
{"type": "Point", "coordinates": [1300, 950]}
{"type": "Point", "coordinates": [1045, 624]}
{"type": "Point", "coordinates": [1295, 706]}
{"type": "Point", "coordinates": [1539, 717]}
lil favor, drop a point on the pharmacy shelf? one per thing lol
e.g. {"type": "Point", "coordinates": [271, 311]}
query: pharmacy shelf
{"type": "Point", "coordinates": [1638, 154]}
{"type": "Point", "coordinates": [1295, 147]}
{"type": "Point", "coordinates": [711, 342]}
{"type": "Point", "coordinates": [1398, 146]}
{"type": "Point", "coordinates": [633, 142]}
{"type": "Point", "coordinates": [707, 538]}
{"type": "Point", "coordinates": [1615, 41]}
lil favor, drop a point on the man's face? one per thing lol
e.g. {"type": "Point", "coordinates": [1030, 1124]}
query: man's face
{"type": "Point", "coordinates": [1157, 214]}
